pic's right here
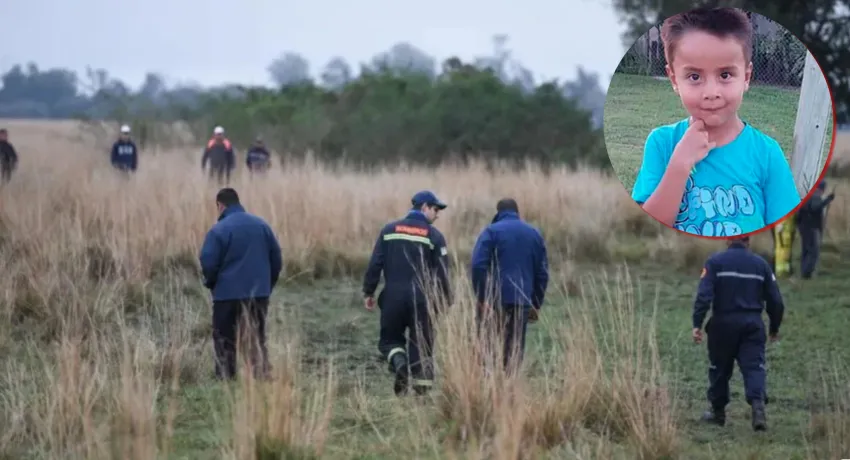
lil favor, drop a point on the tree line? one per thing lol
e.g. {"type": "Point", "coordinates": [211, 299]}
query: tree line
{"type": "Point", "coordinates": [401, 106]}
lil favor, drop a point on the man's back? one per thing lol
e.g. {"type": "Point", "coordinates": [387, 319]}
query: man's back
{"type": "Point", "coordinates": [257, 157]}
{"type": "Point", "coordinates": [516, 250]}
{"type": "Point", "coordinates": [219, 153]}
{"type": "Point", "coordinates": [124, 153]}
{"type": "Point", "coordinates": [740, 277]}
{"type": "Point", "coordinates": [408, 254]}
{"type": "Point", "coordinates": [247, 254]}
{"type": "Point", "coordinates": [8, 155]}
{"type": "Point", "coordinates": [811, 213]}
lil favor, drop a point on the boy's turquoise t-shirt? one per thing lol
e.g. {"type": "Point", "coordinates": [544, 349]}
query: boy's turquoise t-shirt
{"type": "Point", "coordinates": [738, 188]}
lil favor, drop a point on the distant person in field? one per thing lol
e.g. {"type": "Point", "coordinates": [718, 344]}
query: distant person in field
{"type": "Point", "coordinates": [8, 157]}
{"type": "Point", "coordinates": [411, 254]}
{"type": "Point", "coordinates": [125, 154]}
{"type": "Point", "coordinates": [258, 158]}
{"type": "Point", "coordinates": [810, 218]}
{"type": "Point", "coordinates": [509, 275]}
{"type": "Point", "coordinates": [241, 262]}
{"type": "Point", "coordinates": [736, 285]}
{"type": "Point", "coordinates": [219, 153]}
{"type": "Point", "coordinates": [712, 173]}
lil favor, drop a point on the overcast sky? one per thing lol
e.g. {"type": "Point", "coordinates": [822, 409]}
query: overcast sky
{"type": "Point", "coordinates": [217, 41]}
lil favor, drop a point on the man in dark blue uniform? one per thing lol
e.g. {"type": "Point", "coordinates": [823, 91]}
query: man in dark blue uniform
{"type": "Point", "coordinates": [810, 223]}
{"type": "Point", "coordinates": [125, 154]}
{"type": "Point", "coordinates": [734, 284]}
{"type": "Point", "coordinates": [8, 157]}
{"type": "Point", "coordinates": [510, 271]}
{"type": "Point", "coordinates": [258, 159]}
{"type": "Point", "coordinates": [412, 255]}
{"type": "Point", "coordinates": [241, 262]}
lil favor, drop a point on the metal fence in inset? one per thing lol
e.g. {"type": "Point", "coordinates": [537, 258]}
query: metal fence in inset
{"type": "Point", "coordinates": [778, 56]}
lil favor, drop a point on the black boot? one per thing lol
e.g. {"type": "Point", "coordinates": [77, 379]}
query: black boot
{"type": "Point", "coordinates": [759, 417]}
{"type": "Point", "coordinates": [421, 390]}
{"type": "Point", "coordinates": [715, 415]}
{"type": "Point", "coordinates": [398, 366]}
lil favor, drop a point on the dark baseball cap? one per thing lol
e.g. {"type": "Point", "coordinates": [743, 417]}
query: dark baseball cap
{"type": "Point", "coordinates": [427, 197]}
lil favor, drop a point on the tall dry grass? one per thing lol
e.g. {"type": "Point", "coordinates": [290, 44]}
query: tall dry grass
{"type": "Point", "coordinates": [100, 295]}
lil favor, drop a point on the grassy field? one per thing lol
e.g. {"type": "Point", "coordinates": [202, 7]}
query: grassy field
{"type": "Point", "coordinates": [636, 104]}
{"type": "Point", "coordinates": [105, 345]}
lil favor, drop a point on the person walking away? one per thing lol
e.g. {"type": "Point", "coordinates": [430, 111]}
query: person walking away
{"type": "Point", "coordinates": [125, 154]}
{"type": "Point", "coordinates": [411, 253]}
{"type": "Point", "coordinates": [735, 284]}
{"type": "Point", "coordinates": [258, 158]}
{"type": "Point", "coordinates": [8, 157]}
{"type": "Point", "coordinates": [241, 263]}
{"type": "Point", "coordinates": [509, 275]}
{"type": "Point", "coordinates": [219, 153]}
{"type": "Point", "coordinates": [810, 223]}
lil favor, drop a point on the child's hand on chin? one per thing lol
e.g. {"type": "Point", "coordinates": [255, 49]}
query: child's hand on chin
{"type": "Point", "coordinates": [694, 145]}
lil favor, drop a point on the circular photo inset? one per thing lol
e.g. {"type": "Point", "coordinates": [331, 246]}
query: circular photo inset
{"type": "Point", "coordinates": [719, 122]}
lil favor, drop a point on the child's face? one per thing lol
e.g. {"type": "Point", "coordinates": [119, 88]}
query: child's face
{"type": "Point", "coordinates": [710, 74]}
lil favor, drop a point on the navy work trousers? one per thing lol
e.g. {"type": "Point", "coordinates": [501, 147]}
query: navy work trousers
{"type": "Point", "coordinates": [511, 323]}
{"type": "Point", "coordinates": [245, 319]}
{"type": "Point", "coordinates": [737, 337]}
{"type": "Point", "coordinates": [401, 313]}
{"type": "Point", "coordinates": [811, 240]}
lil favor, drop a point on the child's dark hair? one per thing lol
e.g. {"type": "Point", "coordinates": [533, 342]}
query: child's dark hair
{"type": "Point", "coordinates": [720, 22]}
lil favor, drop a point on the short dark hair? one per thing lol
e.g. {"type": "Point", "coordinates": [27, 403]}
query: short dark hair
{"type": "Point", "coordinates": [720, 22]}
{"type": "Point", "coordinates": [745, 240]}
{"type": "Point", "coordinates": [227, 196]}
{"type": "Point", "coordinates": [3, 131]}
{"type": "Point", "coordinates": [507, 204]}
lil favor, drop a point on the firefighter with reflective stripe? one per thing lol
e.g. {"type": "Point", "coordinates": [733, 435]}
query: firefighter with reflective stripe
{"type": "Point", "coordinates": [219, 153]}
{"type": "Point", "coordinates": [735, 284]}
{"type": "Point", "coordinates": [412, 255]}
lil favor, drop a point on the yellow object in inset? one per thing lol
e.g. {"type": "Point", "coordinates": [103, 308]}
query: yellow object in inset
{"type": "Point", "coordinates": [783, 240]}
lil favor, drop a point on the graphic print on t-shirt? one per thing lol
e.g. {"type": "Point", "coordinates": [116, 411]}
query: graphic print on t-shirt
{"type": "Point", "coordinates": [716, 211]}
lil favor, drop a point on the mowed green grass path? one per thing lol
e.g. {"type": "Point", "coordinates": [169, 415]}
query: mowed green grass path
{"type": "Point", "coordinates": [334, 324]}
{"type": "Point", "coordinates": [637, 104]}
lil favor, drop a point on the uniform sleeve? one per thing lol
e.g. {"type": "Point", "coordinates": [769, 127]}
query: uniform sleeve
{"type": "Point", "coordinates": [441, 265]}
{"type": "Point", "coordinates": [480, 266]}
{"type": "Point", "coordinates": [135, 162]}
{"type": "Point", "coordinates": [780, 190]}
{"type": "Point", "coordinates": [376, 266]}
{"type": "Point", "coordinates": [231, 157]}
{"type": "Point", "coordinates": [13, 155]}
{"type": "Point", "coordinates": [113, 156]}
{"type": "Point", "coordinates": [275, 256]}
{"type": "Point", "coordinates": [816, 204]}
{"type": "Point", "coordinates": [705, 293]}
{"type": "Point", "coordinates": [205, 157]}
{"type": "Point", "coordinates": [541, 274]}
{"type": "Point", "coordinates": [210, 259]}
{"type": "Point", "coordinates": [773, 300]}
{"type": "Point", "coordinates": [652, 167]}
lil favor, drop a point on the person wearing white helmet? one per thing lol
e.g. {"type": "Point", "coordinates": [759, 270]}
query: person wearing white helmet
{"type": "Point", "coordinates": [125, 154]}
{"type": "Point", "coordinates": [219, 153]}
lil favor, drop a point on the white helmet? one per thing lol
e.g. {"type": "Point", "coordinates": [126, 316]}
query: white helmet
{"type": "Point", "coordinates": [218, 130]}
{"type": "Point", "coordinates": [125, 129]}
